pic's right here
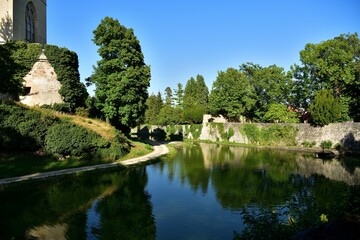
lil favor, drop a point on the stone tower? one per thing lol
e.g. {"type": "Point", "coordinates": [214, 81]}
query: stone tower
{"type": "Point", "coordinates": [23, 20]}
{"type": "Point", "coordinates": [41, 84]}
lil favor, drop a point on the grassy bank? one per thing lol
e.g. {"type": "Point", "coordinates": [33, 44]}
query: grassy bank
{"type": "Point", "coordinates": [18, 164]}
{"type": "Point", "coordinates": [34, 139]}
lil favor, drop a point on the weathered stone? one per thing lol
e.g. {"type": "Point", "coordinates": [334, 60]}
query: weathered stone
{"type": "Point", "coordinates": [43, 84]}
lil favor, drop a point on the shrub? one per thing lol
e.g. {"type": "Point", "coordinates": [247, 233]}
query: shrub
{"type": "Point", "coordinates": [338, 146]}
{"type": "Point", "coordinates": [69, 139]}
{"type": "Point", "coordinates": [22, 129]}
{"type": "Point", "coordinates": [327, 144]}
{"type": "Point", "coordinates": [83, 112]}
{"type": "Point", "coordinates": [325, 108]}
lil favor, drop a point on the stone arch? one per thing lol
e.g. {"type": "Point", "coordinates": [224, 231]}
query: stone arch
{"type": "Point", "coordinates": [30, 20]}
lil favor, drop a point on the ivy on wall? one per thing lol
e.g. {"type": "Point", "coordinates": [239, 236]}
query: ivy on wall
{"type": "Point", "coordinates": [273, 134]}
{"type": "Point", "coordinates": [19, 57]}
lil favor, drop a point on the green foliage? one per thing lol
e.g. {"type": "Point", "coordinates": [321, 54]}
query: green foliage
{"type": "Point", "coordinates": [332, 64]}
{"type": "Point", "coordinates": [66, 66]}
{"type": "Point", "coordinates": [121, 76]}
{"type": "Point", "coordinates": [195, 100]}
{"type": "Point", "coordinates": [168, 115]}
{"type": "Point", "coordinates": [11, 70]}
{"type": "Point", "coordinates": [274, 134]}
{"type": "Point", "coordinates": [22, 129]}
{"type": "Point", "coordinates": [251, 131]}
{"type": "Point", "coordinates": [280, 114]}
{"type": "Point", "coordinates": [230, 133]}
{"type": "Point", "coordinates": [327, 144]}
{"type": "Point", "coordinates": [59, 107]}
{"type": "Point", "coordinates": [195, 130]}
{"type": "Point", "coordinates": [272, 85]}
{"type": "Point", "coordinates": [154, 105]}
{"type": "Point", "coordinates": [81, 111]}
{"type": "Point", "coordinates": [119, 147]}
{"type": "Point", "coordinates": [308, 144]}
{"type": "Point", "coordinates": [179, 96]}
{"type": "Point", "coordinates": [325, 108]}
{"type": "Point", "coordinates": [194, 114]}
{"type": "Point", "coordinates": [28, 130]}
{"type": "Point", "coordinates": [264, 224]}
{"type": "Point", "coordinates": [20, 58]}
{"type": "Point", "coordinates": [232, 95]}
{"type": "Point", "coordinates": [225, 135]}
{"type": "Point", "coordinates": [69, 139]}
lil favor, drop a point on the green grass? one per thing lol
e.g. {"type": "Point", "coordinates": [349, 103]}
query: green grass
{"type": "Point", "coordinates": [19, 164]}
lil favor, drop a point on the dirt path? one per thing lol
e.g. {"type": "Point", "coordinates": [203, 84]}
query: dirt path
{"type": "Point", "coordinates": [159, 150]}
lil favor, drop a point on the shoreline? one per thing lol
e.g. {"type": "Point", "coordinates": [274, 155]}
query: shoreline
{"type": "Point", "coordinates": [160, 149]}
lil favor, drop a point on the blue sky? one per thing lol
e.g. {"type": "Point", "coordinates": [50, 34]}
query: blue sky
{"type": "Point", "coordinates": [181, 39]}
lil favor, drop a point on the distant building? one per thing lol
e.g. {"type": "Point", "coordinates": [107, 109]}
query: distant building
{"type": "Point", "coordinates": [23, 20]}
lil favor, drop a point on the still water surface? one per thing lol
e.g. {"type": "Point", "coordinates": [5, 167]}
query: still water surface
{"type": "Point", "coordinates": [197, 194]}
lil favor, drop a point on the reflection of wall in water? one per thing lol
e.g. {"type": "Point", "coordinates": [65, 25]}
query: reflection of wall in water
{"type": "Point", "coordinates": [220, 155]}
{"type": "Point", "coordinates": [44, 232]}
{"type": "Point", "coordinates": [331, 169]}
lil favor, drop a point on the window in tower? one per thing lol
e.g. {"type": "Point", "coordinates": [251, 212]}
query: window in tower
{"type": "Point", "coordinates": [30, 22]}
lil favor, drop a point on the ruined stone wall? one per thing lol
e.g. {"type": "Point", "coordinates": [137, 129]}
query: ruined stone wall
{"type": "Point", "coordinates": [43, 84]}
{"type": "Point", "coordinates": [346, 134]}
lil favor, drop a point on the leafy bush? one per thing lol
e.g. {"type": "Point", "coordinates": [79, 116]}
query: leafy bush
{"type": "Point", "coordinates": [327, 144]}
{"type": "Point", "coordinates": [280, 113]}
{"type": "Point", "coordinates": [83, 112]}
{"type": "Point", "coordinates": [325, 108]}
{"type": "Point", "coordinates": [22, 129]}
{"type": "Point", "coordinates": [69, 139]}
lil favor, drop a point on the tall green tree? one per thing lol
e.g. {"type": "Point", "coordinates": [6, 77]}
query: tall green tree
{"type": "Point", "coordinates": [232, 95]}
{"type": "Point", "coordinates": [332, 64]}
{"type": "Point", "coordinates": [154, 105]}
{"type": "Point", "coordinates": [169, 96]}
{"type": "Point", "coordinates": [272, 86]}
{"type": "Point", "coordinates": [325, 108]}
{"type": "Point", "coordinates": [179, 96]}
{"type": "Point", "coordinates": [121, 76]}
{"type": "Point", "coordinates": [195, 99]}
{"type": "Point", "coordinates": [168, 114]}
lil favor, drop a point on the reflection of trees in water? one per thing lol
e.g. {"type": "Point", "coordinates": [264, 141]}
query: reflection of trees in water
{"type": "Point", "coordinates": [127, 213]}
{"type": "Point", "coordinates": [261, 178]}
{"type": "Point", "coordinates": [62, 203]}
{"type": "Point", "coordinates": [242, 176]}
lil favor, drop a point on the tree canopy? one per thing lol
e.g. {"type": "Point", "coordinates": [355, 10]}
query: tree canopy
{"type": "Point", "coordinates": [195, 99]}
{"type": "Point", "coordinates": [332, 64]}
{"type": "Point", "coordinates": [325, 108]}
{"type": "Point", "coordinates": [121, 76]}
{"type": "Point", "coordinates": [232, 95]}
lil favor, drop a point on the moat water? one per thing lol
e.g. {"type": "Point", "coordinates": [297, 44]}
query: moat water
{"type": "Point", "coordinates": [199, 193]}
